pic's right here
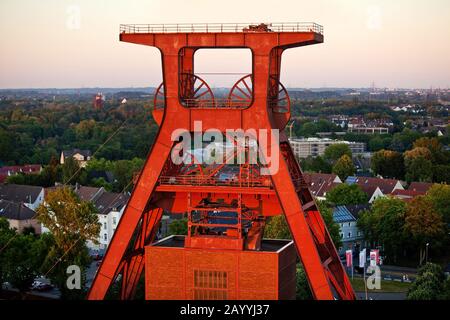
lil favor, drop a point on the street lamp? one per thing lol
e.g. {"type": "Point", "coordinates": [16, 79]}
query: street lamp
{"type": "Point", "coordinates": [426, 252]}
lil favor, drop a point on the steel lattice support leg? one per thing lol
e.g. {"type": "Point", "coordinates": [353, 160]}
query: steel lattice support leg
{"type": "Point", "coordinates": [314, 245]}
{"type": "Point", "coordinates": [135, 263]}
{"type": "Point", "coordinates": [133, 213]}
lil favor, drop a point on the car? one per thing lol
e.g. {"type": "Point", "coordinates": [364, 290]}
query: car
{"type": "Point", "coordinates": [97, 257]}
{"type": "Point", "coordinates": [41, 286]}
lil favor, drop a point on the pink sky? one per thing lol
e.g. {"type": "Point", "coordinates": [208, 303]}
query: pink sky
{"type": "Point", "coordinates": [74, 43]}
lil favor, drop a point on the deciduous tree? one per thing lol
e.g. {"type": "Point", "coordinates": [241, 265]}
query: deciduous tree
{"type": "Point", "coordinates": [344, 194]}
{"type": "Point", "coordinates": [344, 167]}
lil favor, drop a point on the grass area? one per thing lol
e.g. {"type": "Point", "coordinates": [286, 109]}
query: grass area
{"type": "Point", "coordinates": [386, 286]}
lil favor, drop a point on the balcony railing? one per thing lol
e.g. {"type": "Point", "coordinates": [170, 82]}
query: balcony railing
{"type": "Point", "coordinates": [222, 27]}
{"type": "Point", "coordinates": [263, 182]}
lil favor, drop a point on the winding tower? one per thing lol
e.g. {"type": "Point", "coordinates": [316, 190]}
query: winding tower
{"type": "Point", "coordinates": [223, 255]}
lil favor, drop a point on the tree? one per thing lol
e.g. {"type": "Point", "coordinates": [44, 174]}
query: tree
{"type": "Point", "coordinates": [6, 235]}
{"type": "Point", "coordinates": [429, 284]}
{"type": "Point", "coordinates": [70, 170]}
{"type": "Point", "coordinates": [332, 226]}
{"type": "Point", "coordinates": [303, 291]}
{"type": "Point", "coordinates": [24, 257]}
{"type": "Point", "coordinates": [344, 167]}
{"type": "Point", "coordinates": [178, 227]}
{"type": "Point", "coordinates": [423, 223]}
{"type": "Point", "coordinates": [419, 169]}
{"type": "Point", "coordinates": [388, 164]}
{"type": "Point", "coordinates": [416, 153]}
{"type": "Point", "coordinates": [441, 173]}
{"type": "Point", "coordinates": [336, 151]}
{"type": "Point", "coordinates": [344, 194]}
{"type": "Point", "coordinates": [439, 196]}
{"type": "Point", "coordinates": [383, 224]}
{"type": "Point", "coordinates": [367, 223]}
{"type": "Point", "coordinates": [315, 164]}
{"type": "Point", "coordinates": [435, 148]}
{"type": "Point", "coordinates": [277, 228]}
{"type": "Point", "coordinates": [404, 140]}
{"type": "Point", "coordinates": [72, 222]}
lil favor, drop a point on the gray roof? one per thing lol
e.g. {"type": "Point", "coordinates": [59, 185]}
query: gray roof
{"type": "Point", "coordinates": [19, 193]}
{"type": "Point", "coordinates": [70, 153]}
{"type": "Point", "coordinates": [15, 211]}
{"type": "Point", "coordinates": [356, 209]}
{"type": "Point", "coordinates": [105, 202]}
{"type": "Point", "coordinates": [110, 201]}
{"type": "Point", "coordinates": [342, 214]}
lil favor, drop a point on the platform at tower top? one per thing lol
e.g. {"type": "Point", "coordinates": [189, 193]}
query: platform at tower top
{"type": "Point", "coordinates": [222, 28]}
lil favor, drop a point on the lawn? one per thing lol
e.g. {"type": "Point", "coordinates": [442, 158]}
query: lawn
{"type": "Point", "coordinates": [386, 286]}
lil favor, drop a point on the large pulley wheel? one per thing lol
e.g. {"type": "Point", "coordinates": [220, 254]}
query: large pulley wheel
{"type": "Point", "coordinates": [242, 93]}
{"type": "Point", "coordinates": [194, 92]}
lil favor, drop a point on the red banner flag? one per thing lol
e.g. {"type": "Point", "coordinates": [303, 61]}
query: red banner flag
{"type": "Point", "coordinates": [349, 258]}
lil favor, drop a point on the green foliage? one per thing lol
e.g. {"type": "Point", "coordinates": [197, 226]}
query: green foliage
{"type": "Point", "coordinates": [303, 291]}
{"type": "Point", "coordinates": [429, 285]}
{"type": "Point", "coordinates": [384, 223]}
{"type": "Point", "coordinates": [344, 167]}
{"type": "Point", "coordinates": [70, 171]}
{"type": "Point", "coordinates": [277, 228]}
{"type": "Point", "coordinates": [344, 194]}
{"type": "Point", "coordinates": [388, 164]}
{"type": "Point", "coordinates": [21, 257]}
{"type": "Point", "coordinates": [419, 169]}
{"type": "Point", "coordinates": [333, 227]}
{"type": "Point", "coordinates": [39, 131]}
{"type": "Point", "coordinates": [71, 222]}
{"type": "Point", "coordinates": [439, 195]}
{"type": "Point", "coordinates": [315, 164]}
{"type": "Point", "coordinates": [336, 151]}
{"type": "Point", "coordinates": [423, 223]}
{"type": "Point", "coordinates": [178, 227]}
{"type": "Point", "coordinates": [309, 129]}
{"type": "Point", "coordinates": [404, 140]}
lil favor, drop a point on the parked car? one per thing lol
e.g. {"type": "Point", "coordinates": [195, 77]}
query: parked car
{"type": "Point", "coordinates": [97, 257]}
{"type": "Point", "coordinates": [41, 286]}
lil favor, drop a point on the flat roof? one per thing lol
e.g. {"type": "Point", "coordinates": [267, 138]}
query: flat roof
{"type": "Point", "coordinates": [267, 245]}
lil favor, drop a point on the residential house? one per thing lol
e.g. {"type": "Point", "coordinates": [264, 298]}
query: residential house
{"type": "Point", "coordinates": [346, 217]}
{"type": "Point", "coordinates": [320, 183]}
{"type": "Point", "coordinates": [81, 156]}
{"type": "Point", "coordinates": [406, 195]}
{"type": "Point", "coordinates": [421, 187]}
{"type": "Point", "coordinates": [19, 216]}
{"type": "Point", "coordinates": [110, 208]}
{"type": "Point", "coordinates": [30, 196]}
{"type": "Point", "coordinates": [375, 187]}
{"type": "Point", "coordinates": [8, 171]}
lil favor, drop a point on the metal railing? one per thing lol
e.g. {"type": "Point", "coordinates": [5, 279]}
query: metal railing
{"type": "Point", "coordinates": [215, 103]}
{"type": "Point", "coordinates": [263, 182]}
{"type": "Point", "coordinates": [222, 27]}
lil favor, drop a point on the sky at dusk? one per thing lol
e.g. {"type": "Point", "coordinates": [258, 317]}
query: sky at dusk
{"type": "Point", "coordinates": [75, 43]}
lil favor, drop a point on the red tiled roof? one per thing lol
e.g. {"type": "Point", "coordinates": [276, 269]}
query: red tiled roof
{"type": "Point", "coordinates": [320, 183]}
{"type": "Point", "coordinates": [368, 189]}
{"type": "Point", "coordinates": [407, 193]}
{"type": "Point", "coordinates": [421, 187]}
{"type": "Point", "coordinates": [386, 185]}
{"type": "Point", "coordinates": [28, 168]}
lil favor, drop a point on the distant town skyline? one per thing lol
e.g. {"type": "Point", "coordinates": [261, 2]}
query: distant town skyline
{"type": "Point", "coordinates": [74, 43]}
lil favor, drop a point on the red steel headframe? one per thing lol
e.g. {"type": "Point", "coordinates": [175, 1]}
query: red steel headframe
{"type": "Point", "coordinates": [287, 193]}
